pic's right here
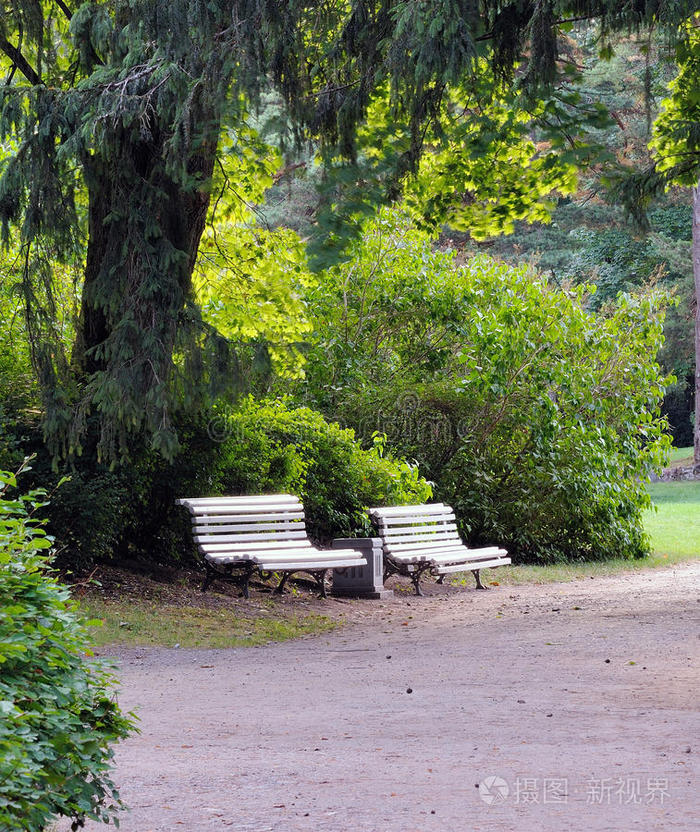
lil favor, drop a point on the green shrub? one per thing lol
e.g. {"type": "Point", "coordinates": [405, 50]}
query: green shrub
{"type": "Point", "coordinates": [271, 447]}
{"type": "Point", "coordinates": [129, 514]}
{"type": "Point", "coordinates": [58, 719]}
{"type": "Point", "coordinates": [123, 514]}
{"type": "Point", "coordinates": [537, 419]}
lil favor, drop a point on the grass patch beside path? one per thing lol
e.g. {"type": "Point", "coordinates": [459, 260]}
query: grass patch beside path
{"type": "Point", "coordinates": [564, 572]}
{"type": "Point", "coordinates": [674, 527]}
{"type": "Point", "coordinates": [140, 623]}
{"type": "Point", "coordinates": [681, 455]}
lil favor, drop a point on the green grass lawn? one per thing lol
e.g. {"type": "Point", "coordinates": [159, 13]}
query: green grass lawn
{"type": "Point", "coordinates": [684, 455]}
{"type": "Point", "coordinates": [674, 527]}
{"type": "Point", "coordinates": [140, 622]}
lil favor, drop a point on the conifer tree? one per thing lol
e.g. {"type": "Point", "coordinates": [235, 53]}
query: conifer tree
{"type": "Point", "coordinates": [112, 113]}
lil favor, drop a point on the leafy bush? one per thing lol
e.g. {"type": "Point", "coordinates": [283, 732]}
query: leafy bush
{"type": "Point", "coordinates": [58, 718]}
{"type": "Point", "coordinates": [274, 448]}
{"type": "Point", "coordinates": [129, 514]}
{"type": "Point", "coordinates": [123, 514]}
{"type": "Point", "coordinates": [536, 419]}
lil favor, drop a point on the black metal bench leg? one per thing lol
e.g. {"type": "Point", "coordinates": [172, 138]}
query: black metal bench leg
{"type": "Point", "coordinates": [322, 583]}
{"type": "Point", "coordinates": [415, 578]}
{"type": "Point", "coordinates": [479, 585]}
{"type": "Point", "coordinates": [280, 588]}
{"type": "Point", "coordinates": [245, 580]}
{"type": "Point", "coordinates": [208, 578]}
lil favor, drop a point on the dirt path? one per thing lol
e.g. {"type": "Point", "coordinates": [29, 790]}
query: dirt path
{"type": "Point", "coordinates": [580, 697]}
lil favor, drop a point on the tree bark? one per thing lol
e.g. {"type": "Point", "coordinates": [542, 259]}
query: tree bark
{"type": "Point", "coordinates": [135, 329]}
{"type": "Point", "coordinates": [696, 275]}
{"type": "Point", "coordinates": [114, 279]}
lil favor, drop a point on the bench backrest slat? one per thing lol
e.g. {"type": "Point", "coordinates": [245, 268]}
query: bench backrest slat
{"type": "Point", "coordinates": [270, 529]}
{"type": "Point", "coordinates": [263, 545]}
{"type": "Point", "coordinates": [247, 499]}
{"type": "Point", "coordinates": [432, 537]}
{"type": "Point", "coordinates": [402, 511]}
{"type": "Point", "coordinates": [248, 523]}
{"type": "Point", "coordinates": [203, 518]}
{"type": "Point", "coordinates": [404, 528]}
{"type": "Point", "coordinates": [245, 511]}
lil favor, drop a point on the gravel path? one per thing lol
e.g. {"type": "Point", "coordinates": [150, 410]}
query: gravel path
{"type": "Point", "coordinates": [580, 698]}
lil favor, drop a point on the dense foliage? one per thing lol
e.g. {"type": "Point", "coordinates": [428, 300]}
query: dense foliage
{"type": "Point", "coordinates": [271, 447]}
{"type": "Point", "coordinates": [593, 237]}
{"type": "Point", "coordinates": [677, 148]}
{"type": "Point", "coordinates": [58, 718]}
{"type": "Point", "coordinates": [111, 118]}
{"type": "Point", "coordinates": [677, 129]}
{"type": "Point", "coordinates": [128, 514]}
{"type": "Point", "coordinates": [536, 419]}
{"type": "Point", "coordinates": [120, 514]}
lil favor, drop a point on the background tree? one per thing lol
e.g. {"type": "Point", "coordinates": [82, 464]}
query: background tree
{"type": "Point", "coordinates": [589, 238]}
{"type": "Point", "coordinates": [677, 146]}
{"type": "Point", "coordinates": [116, 112]}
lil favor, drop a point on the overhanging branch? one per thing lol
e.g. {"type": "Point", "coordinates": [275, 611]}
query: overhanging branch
{"type": "Point", "coordinates": [64, 8]}
{"type": "Point", "coordinates": [20, 62]}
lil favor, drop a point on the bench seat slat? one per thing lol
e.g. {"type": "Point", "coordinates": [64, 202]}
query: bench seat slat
{"type": "Point", "coordinates": [452, 553]}
{"type": "Point", "coordinates": [305, 565]}
{"type": "Point", "coordinates": [471, 557]}
{"type": "Point", "coordinates": [451, 568]}
{"type": "Point", "coordinates": [445, 559]}
{"type": "Point", "coordinates": [317, 555]}
{"type": "Point", "coordinates": [273, 552]}
{"type": "Point", "coordinates": [297, 566]}
{"type": "Point", "coordinates": [266, 560]}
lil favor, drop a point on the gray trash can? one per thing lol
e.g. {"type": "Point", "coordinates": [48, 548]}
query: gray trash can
{"type": "Point", "coordinates": [361, 581]}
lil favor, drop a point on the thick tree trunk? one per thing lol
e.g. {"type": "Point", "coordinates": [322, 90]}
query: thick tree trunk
{"type": "Point", "coordinates": [144, 231]}
{"type": "Point", "coordinates": [113, 256]}
{"type": "Point", "coordinates": [696, 274]}
{"type": "Point", "coordinates": [144, 228]}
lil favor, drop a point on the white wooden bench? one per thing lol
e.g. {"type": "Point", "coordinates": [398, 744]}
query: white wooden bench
{"type": "Point", "coordinates": [418, 539]}
{"type": "Point", "coordinates": [238, 536]}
